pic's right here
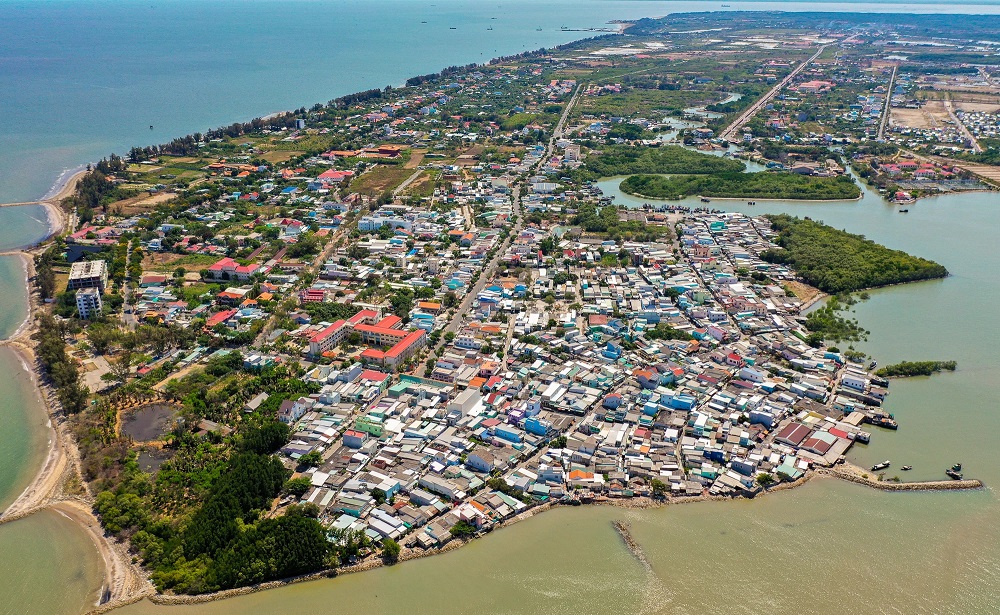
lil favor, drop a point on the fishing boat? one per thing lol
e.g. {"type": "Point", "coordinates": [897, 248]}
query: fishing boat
{"type": "Point", "coordinates": [705, 200]}
{"type": "Point", "coordinates": [880, 466]}
{"type": "Point", "coordinates": [957, 467]}
{"type": "Point", "coordinates": [904, 211]}
{"type": "Point", "coordinates": [453, 28]}
{"type": "Point", "coordinates": [906, 468]}
{"type": "Point", "coordinates": [490, 28]}
{"type": "Point", "coordinates": [538, 29]}
{"type": "Point", "coordinates": [953, 474]}
{"type": "Point", "coordinates": [884, 421]}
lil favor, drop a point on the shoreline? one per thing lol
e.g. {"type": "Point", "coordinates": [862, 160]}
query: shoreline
{"type": "Point", "coordinates": [128, 583]}
{"type": "Point", "coordinates": [847, 472]}
{"type": "Point", "coordinates": [738, 198]}
{"type": "Point", "coordinates": [58, 484]}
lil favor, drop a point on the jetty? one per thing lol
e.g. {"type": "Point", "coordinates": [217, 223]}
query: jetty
{"type": "Point", "coordinates": [624, 531]}
{"type": "Point", "coordinates": [855, 474]}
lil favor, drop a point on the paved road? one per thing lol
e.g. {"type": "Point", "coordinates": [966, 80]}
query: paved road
{"type": "Point", "coordinates": [976, 148]}
{"type": "Point", "coordinates": [733, 128]}
{"type": "Point", "coordinates": [409, 180]}
{"type": "Point", "coordinates": [888, 105]}
{"type": "Point", "coordinates": [487, 272]}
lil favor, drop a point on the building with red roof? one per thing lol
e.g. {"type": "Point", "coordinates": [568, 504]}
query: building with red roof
{"type": "Point", "coordinates": [219, 318]}
{"type": "Point", "coordinates": [229, 269]}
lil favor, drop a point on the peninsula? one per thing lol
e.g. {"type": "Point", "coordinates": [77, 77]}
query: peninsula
{"type": "Point", "coordinates": [368, 330]}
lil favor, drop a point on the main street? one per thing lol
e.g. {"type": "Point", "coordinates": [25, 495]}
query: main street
{"type": "Point", "coordinates": [490, 268]}
{"type": "Point", "coordinates": [744, 117]}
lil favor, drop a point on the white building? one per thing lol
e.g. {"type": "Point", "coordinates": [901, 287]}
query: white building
{"type": "Point", "coordinates": [88, 303]}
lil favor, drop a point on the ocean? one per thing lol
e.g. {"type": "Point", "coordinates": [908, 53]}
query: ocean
{"type": "Point", "coordinates": [82, 78]}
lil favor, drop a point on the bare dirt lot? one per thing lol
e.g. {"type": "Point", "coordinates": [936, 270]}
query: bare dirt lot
{"type": "Point", "coordinates": [142, 204]}
{"type": "Point", "coordinates": [933, 114]}
{"type": "Point", "coordinates": [973, 107]}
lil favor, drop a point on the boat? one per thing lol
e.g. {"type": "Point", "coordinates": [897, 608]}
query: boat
{"type": "Point", "coordinates": [538, 29]}
{"type": "Point", "coordinates": [705, 200]}
{"type": "Point", "coordinates": [904, 211]}
{"type": "Point", "coordinates": [954, 475]}
{"type": "Point", "coordinates": [453, 28]}
{"type": "Point", "coordinates": [957, 467]}
{"type": "Point", "coordinates": [872, 364]}
{"type": "Point", "coordinates": [881, 420]}
{"type": "Point", "coordinates": [880, 466]}
{"type": "Point", "coordinates": [490, 28]}
{"type": "Point", "coordinates": [906, 468]}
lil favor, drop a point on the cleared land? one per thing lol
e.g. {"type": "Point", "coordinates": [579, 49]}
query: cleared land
{"type": "Point", "coordinates": [932, 115]}
{"type": "Point", "coordinates": [380, 179]}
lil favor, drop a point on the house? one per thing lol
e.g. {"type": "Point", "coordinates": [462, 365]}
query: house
{"type": "Point", "coordinates": [354, 439]}
{"type": "Point", "coordinates": [229, 269]}
{"type": "Point", "coordinates": [480, 461]}
{"type": "Point", "coordinates": [793, 434]}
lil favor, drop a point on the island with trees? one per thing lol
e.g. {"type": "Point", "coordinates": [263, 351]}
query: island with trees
{"type": "Point", "coordinates": [836, 261]}
{"type": "Point", "coordinates": [906, 369]}
{"type": "Point", "coordinates": [618, 160]}
{"type": "Point", "coordinates": [765, 185]}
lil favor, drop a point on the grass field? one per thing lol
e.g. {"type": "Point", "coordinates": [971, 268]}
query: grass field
{"type": "Point", "coordinates": [168, 261]}
{"type": "Point", "coordinates": [423, 185]}
{"type": "Point", "coordinates": [381, 178]}
{"type": "Point", "coordinates": [280, 155]}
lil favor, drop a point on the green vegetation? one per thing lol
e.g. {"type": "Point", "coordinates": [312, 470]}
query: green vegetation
{"type": "Point", "coordinates": [462, 529]}
{"type": "Point", "coordinates": [666, 159]}
{"type": "Point", "coordinates": [764, 479]}
{"type": "Point", "coordinates": [906, 369]}
{"type": "Point", "coordinates": [836, 261]}
{"type": "Point", "coordinates": [330, 312]}
{"type": "Point", "coordinates": [390, 550]}
{"type": "Point", "coordinates": [826, 324]}
{"type": "Point", "coordinates": [605, 220]}
{"type": "Point", "coordinates": [663, 331]}
{"type": "Point", "coordinates": [198, 523]}
{"type": "Point", "coordinates": [743, 185]}
{"type": "Point", "coordinates": [59, 366]}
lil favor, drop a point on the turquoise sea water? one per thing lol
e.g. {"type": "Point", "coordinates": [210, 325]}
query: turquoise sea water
{"type": "Point", "coordinates": [82, 78]}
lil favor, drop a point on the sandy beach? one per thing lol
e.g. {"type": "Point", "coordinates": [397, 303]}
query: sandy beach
{"type": "Point", "coordinates": [59, 485]}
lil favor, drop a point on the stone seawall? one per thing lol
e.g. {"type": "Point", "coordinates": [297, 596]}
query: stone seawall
{"type": "Point", "coordinates": [859, 475]}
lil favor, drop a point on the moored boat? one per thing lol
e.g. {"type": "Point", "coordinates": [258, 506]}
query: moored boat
{"type": "Point", "coordinates": [880, 466]}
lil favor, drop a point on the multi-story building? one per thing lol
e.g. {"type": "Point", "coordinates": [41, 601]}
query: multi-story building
{"type": "Point", "coordinates": [88, 274]}
{"type": "Point", "coordinates": [88, 302]}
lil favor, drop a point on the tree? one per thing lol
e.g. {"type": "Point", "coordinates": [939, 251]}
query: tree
{"type": "Point", "coordinates": [390, 550]}
{"type": "Point", "coordinates": [311, 459]}
{"type": "Point", "coordinates": [121, 368]}
{"type": "Point", "coordinates": [462, 529]}
{"type": "Point", "coordinates": [764, 479]}
{"type": "Point", "coordinates": [659, 487]}
{"type": "Point", "coordinates": [297, 486]}
{"type": "Point", "coordinates": [101, 337]}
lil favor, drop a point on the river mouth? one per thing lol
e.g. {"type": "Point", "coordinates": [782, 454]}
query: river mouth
{"type": "Point", "coordinates": [151, 422]}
